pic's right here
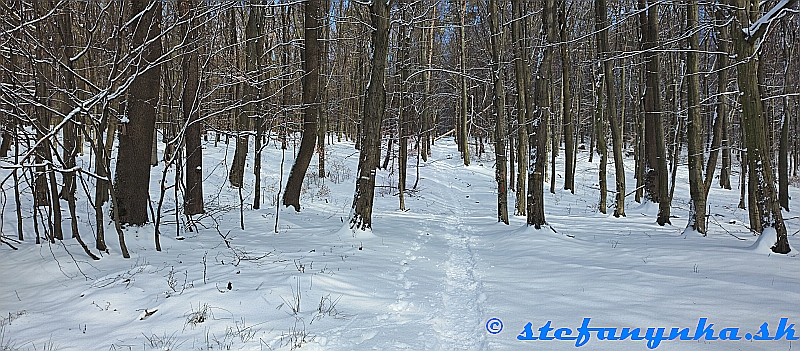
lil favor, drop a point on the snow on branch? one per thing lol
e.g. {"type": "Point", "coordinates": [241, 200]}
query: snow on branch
{"type": "Point", "coordinates": [757, 29]}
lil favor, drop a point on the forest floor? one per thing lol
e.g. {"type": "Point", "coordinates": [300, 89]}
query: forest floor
{"type": "Point", "coordinates": [438, 276]}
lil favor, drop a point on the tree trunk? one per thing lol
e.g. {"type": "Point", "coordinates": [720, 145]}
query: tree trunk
{"type": "Point", "coordinates": [783, 150]}
{"type": "Point", "coordinates": [743, 178]}
{"type": "Point", "coordinates": [154, 147]}
{"type": "Point", "coordinates": [601, 24]}
{"type": "Point", "coordinates": [725, 145]}
{"type": "Point", "coordinates": [374, 106]}
{"type": "Point", "coordinates": [236, 174]}
{"type": "Point", "coordinates": [406, 102]}
{"type": "Point", "coordinates": [463, 122]}
{"type": "Point", "coordinates": [46, 193]}
{"type": "Point", "coordinates": [499, 103]}
{"type": "Point", "coordinates": [70, 136]}
{"type": "Point", "coordinates": [311, 58]}
{"type": "Point", "coordinates": [15, 172]}
{"type": "Point", "coordinates": [694, 126]}
{"type": "Point", "coordinates": [676, 150]}
{"type": "Point", "coordinates": [602, 143]}
{"type": "Point", "coordinates": [711, 163]}
{"type": "Point", "coordinates": [389, 149]}
{"type": "Point", "coordinates": [70, 131]}
{"type": "Point", "coordinates": [257, 162]}
{"type": "Point", "coordinates": [108, 124]}
{"type": "Point", "coordinates": [554, 134]}
{"type": "Point", "coordinates": [783, 157]}
{"type": "Point", "coordinates": [322, 128]}
{"type": "Point", "coordinates": [511, 163]}
{"type": "Point", "coordinates": [719, 141]}
{"type": "Point", "coordinates": [640, 147]}
{"type": "Point", "coordinates": [538, 148]}
{"type": "Point", "coordinates": [132, 179]}
{"type": "Point", "coordinates": [760, 171]}
{"type": "Point", "coordinates": [566, 102]}
{"type": "Point", "coordinates": [259, 142]}
{"type": "Point", "coordinates": [426, 106]}
{"type": "Point", "coordinates": [593, 120]}
{"type": "Point", "coordinates": [522, 74]}
{"type": "Point", "coordinates": [193, 197]}
{"type": "Point", "coordinates": [655, 178]}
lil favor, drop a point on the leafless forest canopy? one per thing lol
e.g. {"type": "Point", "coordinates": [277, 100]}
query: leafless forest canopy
{"type": "Point", "coordinates": [643, 85]}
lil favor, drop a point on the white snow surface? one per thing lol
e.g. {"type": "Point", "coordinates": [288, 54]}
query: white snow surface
{"type": "Point", "coordinates": [427, 278]}
{"type": "Point", "coordinates": [766, 241]}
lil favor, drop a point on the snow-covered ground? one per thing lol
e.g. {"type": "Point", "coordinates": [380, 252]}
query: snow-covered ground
{"type": "Point", "coordinates": [429, 278]}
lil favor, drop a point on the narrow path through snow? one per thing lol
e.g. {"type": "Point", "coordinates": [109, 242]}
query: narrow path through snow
{"type": "Point", "coordinates": [425, 293]}
{"type": "Point", "coordinates": [457, 324]}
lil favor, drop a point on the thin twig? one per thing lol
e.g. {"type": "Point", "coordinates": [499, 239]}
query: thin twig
{"type": "Point", "coordinates": [723, 228]}
{"type": "Point", "coordinates": [73, 259]}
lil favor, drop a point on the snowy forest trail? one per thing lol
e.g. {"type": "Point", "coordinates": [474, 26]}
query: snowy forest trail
{"type": "Point", "coordinates": [457, 327]}
{"type": "Point", "coordinates": [427, 278]}
{"type": "Point", "coordinates": [459, 267]}
{"type": "Point", "coordinates": [437, 291]}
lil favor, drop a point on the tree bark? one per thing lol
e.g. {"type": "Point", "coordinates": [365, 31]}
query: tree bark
{"type": "Point", "coordinates": [46, 193]}
{"type": "Point", "coordinates": [374, 106]}
{"type": "Point", "coordinates": [262, 120]}
{"type": "Point", "coordinates": [132, 179]}
{"type": "Point", "coordinates": [538, 148]}
{"type": "Point", "coordinates": [522, 73]}
{"type": "Point", "coordinates": [601, 23]}
{"type": "Point", "coordinates": [236, 174]}
{"type": "Point", "coordinates": [760, 171]}
{"type": "Point", "coordinates": [406, 102]}
{"type": "Point", "coordinates": [656, 162]}
{"type": "Point", "coordinates": [694, 126]}
{"type": "Point", "coordinates": [193, 197]}
{"type": "Point", "coordinates": [511, 162]}
{"type": "Point", "coordinates": [640, 153]}
{"type": "Point", "coordinates": [783, 150]}
{"type": "Point", "coordinates": [427, 126]}
{"type": "Point", "coordinates": [677, 145]}
{"type": "Point", "coordinates": [783, 158]}
{"type": "Point", "coordinates": [555, 132]}
{"type": "Point", "coordinates": [463, 121]}
{"type": "Point", "coordinates": [311, 57]}
{"type": "Point", "coordinates": [566, 101]}
{"type": "Point", "coordinates": [102, 147]}
{"type": "Point", "coordinates": [601, 132]}
{"type": "Point", "coordinates": [322, 127]}
{"type": "Point", "coordinates": [69, 132]}
{"type": "Point", "coordinates": [498, 102]}
{"type": "Point", "coordinates": [719, 141]}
